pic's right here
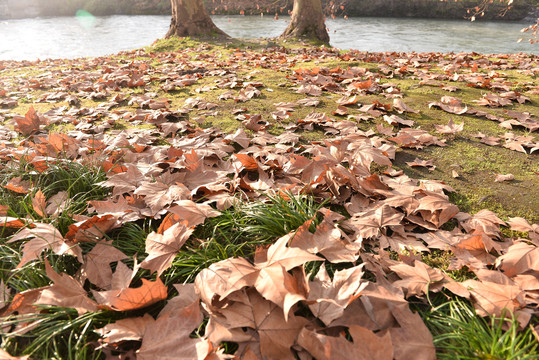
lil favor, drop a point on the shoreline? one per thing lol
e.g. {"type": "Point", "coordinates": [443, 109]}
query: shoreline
{"type": "Point", "coordinates": [524, 10]}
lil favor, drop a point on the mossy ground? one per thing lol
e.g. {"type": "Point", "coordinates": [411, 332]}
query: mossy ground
{"type": "Point", "coordinates": [476, 163]}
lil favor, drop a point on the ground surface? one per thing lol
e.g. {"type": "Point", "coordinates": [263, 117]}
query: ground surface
{"type": "Point", "coordinates": [264, 201]}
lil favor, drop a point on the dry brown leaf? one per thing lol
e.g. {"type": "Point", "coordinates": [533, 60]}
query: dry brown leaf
{"type": "Point", "coordinates": [168, 337]}
{"type": "Point", "coordinates": [4, 355]}
{"type": "Point", "coordinates": [39, 203]}
{"type": "Point", "coordinates": [4, 295]}
{"type": "Point", "coordinates": [327, 240]}
{"type": "Point", "coordinates": [422, 163]}
{"type": "Point", "coordinates": [491, 299]}
{"type": "Point", "coordinates": [28, 124]}
{"type": "Point", "coordinates": [18, 185]}
{"type": "Point", "coordinates": [366, 345]}
{"type": "Point", "coordinates": [163, 248]}
{"type": "Point", "coordinates": [158, 195]}
{"type": "Point", "coordinates": [411, 340]}
{"type": "Point", "coordinates": [418, 279]}
{"type": "Point", "coordinates": [519, 259]}
{"type": "Point", "coordinates": [97, 264]}
{"type": "Point", "coordinates": [450, 128]}
{"type": "Point", "coordinates": [328, 298]}
{"type": "Point", "coordinates": [401, 107]}
{"type": "Point", "coordinates": [273, 335]}
{"type": "Point", "coordinates": [193, 213]}
{"type": "Point", "coordinates": [44, 236]}
{"type": "Point", "coordinates": [502, 178]}
{"type": "Point", "coordinates": [269, 275]}
{"type": "Point", "coordinates": [123, 298]}
{"type": "Point", "coordinates": [370, 223]}
{"type": "Point", "coordinates": [66, 292]}
{"type": "Point", "coordinates": [130, 329]}
{"type": "Point", "coordinates": [92, 229]}
{"type": "Point", "coordinates": [396, 120]}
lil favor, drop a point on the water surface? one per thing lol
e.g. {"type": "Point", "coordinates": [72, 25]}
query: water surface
{"type": "Point", "coordinates": [72, 37]}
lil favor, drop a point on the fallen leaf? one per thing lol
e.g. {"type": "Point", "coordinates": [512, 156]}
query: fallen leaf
{"type": "Point", "coordinates": [163, 248]}
{"type": "Point", "coordinates": [66, 292]}
{"type": "Point", "coordinates": [366, 345]}
{"type": "Point", "coordinates": [44, 237]}
{"type": "Point", "coordinates": [328, 298]}
{"type": "Point", "coordinates": [97, 263]}
{"type": "Point", "coordinates": [192, 212]}
{"type": "Point", "coordinates": [28, 124]}
{"type": "Point", "coordinates": [502, 178]}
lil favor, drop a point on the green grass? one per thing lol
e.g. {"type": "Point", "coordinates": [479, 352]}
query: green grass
{"type": "Point", "coordinates": [79, 181]}
{"type": "Point", "coordinates": [56, 333]}
{"type": "Point", "coordinates": [459, 333]}
{"type": "Point", "coordinates": [239, 230]}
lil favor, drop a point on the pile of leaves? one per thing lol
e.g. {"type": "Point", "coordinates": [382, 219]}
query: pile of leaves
{"type": "Point", "coordinates": [337, 284]}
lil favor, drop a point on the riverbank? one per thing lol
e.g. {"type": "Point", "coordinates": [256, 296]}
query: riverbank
{"type": "Point", "coordinates": [269, 200]}
{"type": "Point", "coordinates": [521, 9]}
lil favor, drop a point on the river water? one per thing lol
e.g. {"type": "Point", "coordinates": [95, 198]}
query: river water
{"type": "Point", "coordinates": [72, 37]}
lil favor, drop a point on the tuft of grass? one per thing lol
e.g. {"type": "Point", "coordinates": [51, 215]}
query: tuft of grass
{"type": "Point", "coordinates": [53, 333]}
{"type": "Point", "coordinates": [77, 180]}
{"type": "Point", "coordinates": [459, 333]}
{"type": "Point", "coordinates": [239, 230]}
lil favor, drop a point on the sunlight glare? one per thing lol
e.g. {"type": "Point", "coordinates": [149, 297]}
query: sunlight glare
{"type": "Point", "coordinates": [86, 19]}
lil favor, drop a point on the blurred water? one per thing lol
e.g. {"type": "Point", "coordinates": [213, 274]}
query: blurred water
{"type": "Point", "coordinates": [72, 37]}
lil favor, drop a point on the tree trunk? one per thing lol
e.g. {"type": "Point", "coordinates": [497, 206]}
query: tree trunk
{"type": "Point", "coordinates": [307, 21]}
{"type": "Point", "coordinates": [190, 18]}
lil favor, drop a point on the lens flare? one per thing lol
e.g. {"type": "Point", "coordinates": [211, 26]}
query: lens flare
{"type": "Point", "coordinates": [86, 19]}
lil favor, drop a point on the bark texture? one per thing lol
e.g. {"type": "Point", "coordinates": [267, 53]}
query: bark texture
{"type": "Point", "coordinates": [190, 18]}
{"type": "Point", "coordinates": [307, 21]}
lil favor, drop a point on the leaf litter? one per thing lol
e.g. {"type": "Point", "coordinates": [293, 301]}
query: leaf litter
{"type": "Point", "coordinates": [179, 174]}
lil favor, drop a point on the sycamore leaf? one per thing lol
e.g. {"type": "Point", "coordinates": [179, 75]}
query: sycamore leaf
{"type": "Point", "coordinates": [18, 185]}
{"type": "Point", "coordinates": [396, 120]}
{"type": "Point", "coordinates": [163, 248]}
{"type": "Point", "coordinates": [133, 298]}
{"type": "Point", "coordinates": [418, 279]}
{"type": "Point", "coordinates": [422, 163]}
{"type": "Point", "coordinates": [366, 345]}
{"type": "Point", "coordinates": [11, 222]}
{"type": "Point", "coordinates": [327, 241]}
{"type": "Point", "coordinates": [97, 263]}
{"type": "Point", "coordinates": [519, 259]}
{"type": "Point", "coordinates": [450, 128]}
{"type": "Point", "coordinates": [123, 298]}
{"type": "Point", "coordinates": [492, 298]}
{"type": "Point", "coordinates": [158, 195]}
{"type": "Point", "coordinates": [4, 294]}
{"type": "Point", "coordinates": [193, 213]}
{"type": "Point", "coordinates": [328, 298]}
{"type": "Point", "coordinates": [92, 229]}
{"type": "Point", "coordinates": [520, 224]}
{"type": "Point", "coordinates": [272, 333]}
{"type": "Point", "coordinates": [44, 236]}
{"type": "Point", "coordinates": [65, 291]}
{"type": "Point", "coordinates": [39, 203]}
{"type": "Point", "coordinates": [168, 337]}
{"type": "Point", "coordinates": [126, 329]}
{"type": "Point", "coordinates": [411, 340]}
{"type": "Point", "coordinates": [401, 107]}
{"type": "Point", "coordinates": [28, 124]}
{"type": "Point", "coordinates": [269, 275]}
{"type": "Point", "coordinates": [369, 223]}
{"type": "Point", "coordinates": [124, 182]}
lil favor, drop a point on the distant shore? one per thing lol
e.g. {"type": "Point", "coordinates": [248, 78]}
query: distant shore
{"type": "Point", "coordinates": [520, 10]}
